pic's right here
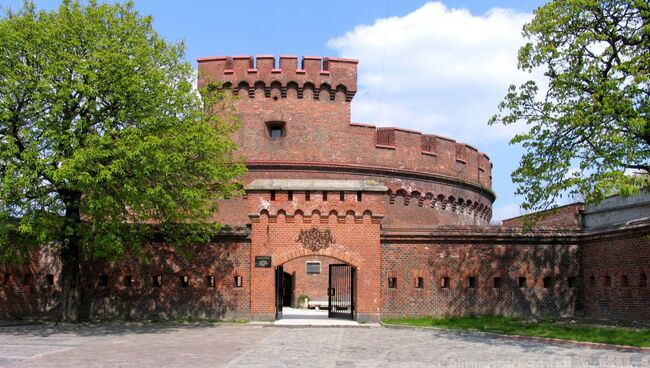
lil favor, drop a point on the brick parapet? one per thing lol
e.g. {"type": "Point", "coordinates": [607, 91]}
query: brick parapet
{"type": "Point", "coordinates": [330, 75]}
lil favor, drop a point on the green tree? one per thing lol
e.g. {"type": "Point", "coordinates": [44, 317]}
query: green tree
{"type": "Point", "coordinates": [589, 132]}
{"type": "Point", "coordinates": [103, 139]}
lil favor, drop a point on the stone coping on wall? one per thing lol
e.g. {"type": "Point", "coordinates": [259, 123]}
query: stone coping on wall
{"type": "Point", "coordinates": [477, 234]}
{"type": "Point", "coordinates": [317, 184]}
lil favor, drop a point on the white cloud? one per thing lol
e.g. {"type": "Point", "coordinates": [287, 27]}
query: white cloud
{"type": "Point", "coordinates": [437, 70]}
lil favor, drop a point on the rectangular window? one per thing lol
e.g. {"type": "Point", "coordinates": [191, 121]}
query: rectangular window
{"type": "Point", "coordinates": [49, 279]}
{"type": "Point", "coordinates": [313, 268]}
{"type": "Point", "coordinates": [444, 282]}
{"type": "Point", "coordinates": [211, 282]}
{"type": "Point", "coordinates": [392, 282]}
{"type": "Point", "coordinates": [290, 195]}
{"type": "Point", "coordinates": [307, 196]}
{"type": "Point", "coordinates": [275, 129]}
{"type": "Point", "coordinates": [419, 282]}
{"type": "Point", "coordinates": [522, 282]}
{"type": "Point", "coordinates": [239, 281]}
{"type": "Point", "coordinates": [571, 281]}
{"type": "Point", "coordinates": [471, 282]}
{"type": "Point", "coordinates": [496, 282]}
{"type": "Point", "coordinates": [359, 194]}
{"type": "Point", "coordinates": [273, 195]}
{"type": "Point", "coordinates": [324, 196]}
{"type": "Point", "coordinates": [342, 196]}
{"type": "Point", "coordinates": [156, 280]}
{"type": "Point", "coordinates": [128, 280]}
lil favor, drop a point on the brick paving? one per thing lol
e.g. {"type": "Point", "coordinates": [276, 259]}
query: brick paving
{"type": "Point", "coordinates": [169, 345]}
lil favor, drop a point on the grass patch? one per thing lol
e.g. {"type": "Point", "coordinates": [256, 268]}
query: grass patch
{"type": "Point", "coordinates": [518, 326]}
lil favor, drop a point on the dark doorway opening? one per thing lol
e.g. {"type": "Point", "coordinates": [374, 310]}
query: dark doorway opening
{"type": "Point", "coordinates": [306, 292]}
{"type": "Point", "coordinates": [287, 289]}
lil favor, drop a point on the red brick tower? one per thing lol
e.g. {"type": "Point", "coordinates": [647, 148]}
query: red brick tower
{"type": "Point", "coordinates": [311, 168]}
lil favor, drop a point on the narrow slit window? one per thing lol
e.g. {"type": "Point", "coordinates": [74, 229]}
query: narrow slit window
{"type": "Point", "coordinates": [103, 280]}
{"type": "Point", "coordinates": [290, 195]}
{"type": "Point", "coordinates": [324, 196]}
{"type": "Point", "coordinates": [128, 280]}
{"type": "Point", "coordinates": [211, 281]}
{"type": "Point", "coordinates": [273, 195]}
{"type": "Point", "coordinates": [392, 282]}
{"type": "Point", "coordinates": [522, 282]}
{"type": "Point", "coordinates": [239, 281]}
{"type": "Point", "coordinates": [359, 196]}
{"type": "Point", "coordinates": [419, 282]}
{"type": "Point", "coordinates": [185, 281]}
{"type": "Point", "coordinates": [444, 282]}
{"type": "Point", "coordinates": [571, 281]}
{"type": "Point", "coordinates": [471, 282]}
{"type": "Point", "coordinates": [342, 196]}
{"type": "Point", "coordinates": [546, 281]}
{"type": "Point", "coordinates": [307, 196]}
{"type": "Point", "coordinates": [156, 281]}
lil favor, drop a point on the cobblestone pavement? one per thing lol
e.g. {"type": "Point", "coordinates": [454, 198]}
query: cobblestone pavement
{"type": "Point", "coordinates": [164, 345]}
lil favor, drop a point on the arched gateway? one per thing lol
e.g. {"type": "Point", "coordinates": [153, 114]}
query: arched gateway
{"type": "Point", "coordinates": [345, 227]}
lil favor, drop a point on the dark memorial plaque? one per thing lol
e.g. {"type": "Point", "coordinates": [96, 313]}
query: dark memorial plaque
{"type": "Point", "coordinates": [262, 261]}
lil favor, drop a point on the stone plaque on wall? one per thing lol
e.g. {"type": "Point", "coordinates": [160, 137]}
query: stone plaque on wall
{"type": "Point", "coordinates": [262, 261]}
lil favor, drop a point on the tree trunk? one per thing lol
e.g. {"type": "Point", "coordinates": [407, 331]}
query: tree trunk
{"type": "Point", "coordinates": [71, 260]}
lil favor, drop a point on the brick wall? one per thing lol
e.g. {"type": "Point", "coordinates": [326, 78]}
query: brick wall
{"type": "Point", "coordinates": [484, 254]}
{"type": "Point", "coordinates": [32, 289]}
{"type": "Point", "coordinates": [156, 289]}
{"type": "Point", "coordinates": [614, 263]}
{"type": "Point", "coordinates": [563, 217]}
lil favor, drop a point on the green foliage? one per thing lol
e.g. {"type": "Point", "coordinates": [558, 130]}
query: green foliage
{"type": "Point", "coordinates": [103, 138]}
{"type": "Point", "coordinates": [589, 132]}
{"type": "Point", "coordinates": [550, 329]}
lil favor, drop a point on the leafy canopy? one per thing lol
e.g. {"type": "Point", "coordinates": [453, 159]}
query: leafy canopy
{"type": "Point", "coordinates": [589, 132]}
{"type": "Point", "coordinates": [101, 130]}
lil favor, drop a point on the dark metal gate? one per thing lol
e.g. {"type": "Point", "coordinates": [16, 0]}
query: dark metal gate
{"type": "Point", "coordinates": [279, 291]}
{"type": "Point", "coordinates": [341, 291]}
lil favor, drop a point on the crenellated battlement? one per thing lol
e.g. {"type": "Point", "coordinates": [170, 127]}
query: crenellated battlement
{"type": "Point", "coordinates": [328, 75]}
{"type": "Point", "coordinates": [440, 147]}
